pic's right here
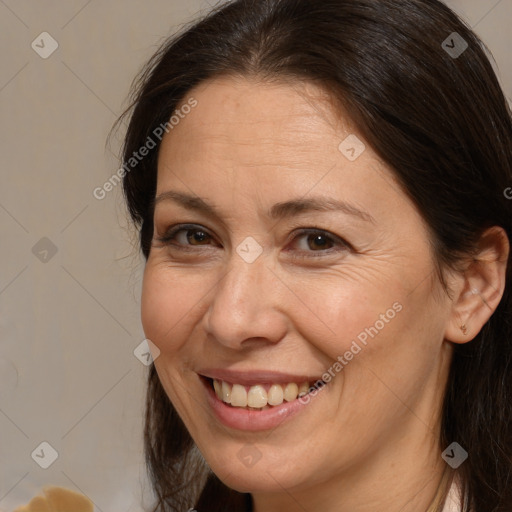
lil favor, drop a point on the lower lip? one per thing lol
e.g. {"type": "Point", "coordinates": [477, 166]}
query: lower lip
{"type": "Point", "coordinates": [252, 420]}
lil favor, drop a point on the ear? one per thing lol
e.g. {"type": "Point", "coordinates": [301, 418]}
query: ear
{"type": "Point", "coordinates": [479, 288]}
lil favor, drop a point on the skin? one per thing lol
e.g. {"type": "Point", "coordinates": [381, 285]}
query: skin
{"type": "Point", "coordinates": [369, 440]}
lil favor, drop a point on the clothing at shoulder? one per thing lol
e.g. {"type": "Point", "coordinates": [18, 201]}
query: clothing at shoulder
{"type": "Point", "coordinates": [453, 501]}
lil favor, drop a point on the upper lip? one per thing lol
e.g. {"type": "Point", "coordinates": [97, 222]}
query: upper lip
{"type": "Point", "coordinates": [254, 377]}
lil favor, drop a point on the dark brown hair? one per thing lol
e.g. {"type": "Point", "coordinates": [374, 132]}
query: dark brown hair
{"type": "Point", "coordinates": [443, 125]}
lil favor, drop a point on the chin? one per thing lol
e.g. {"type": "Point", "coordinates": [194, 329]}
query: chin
{"type": "Point", "coordinates": [251, 481]}
{"type": "Point", "coordinates": [261, 476]}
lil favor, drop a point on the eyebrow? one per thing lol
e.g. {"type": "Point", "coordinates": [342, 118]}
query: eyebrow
{"type": "Point", "coordinates": [281, 210]}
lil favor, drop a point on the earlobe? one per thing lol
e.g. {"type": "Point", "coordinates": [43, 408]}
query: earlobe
{"type": "Point", "coordinates": [461, 328]}
{"type": "Point", "coordinates": [480, 286]}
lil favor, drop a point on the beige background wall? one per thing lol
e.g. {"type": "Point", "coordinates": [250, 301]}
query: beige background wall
{"type": "Point", "coordinates": [69, 320]}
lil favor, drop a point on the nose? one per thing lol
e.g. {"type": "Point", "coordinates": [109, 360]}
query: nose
{"type": "Point", "coordinates": [247, 306]}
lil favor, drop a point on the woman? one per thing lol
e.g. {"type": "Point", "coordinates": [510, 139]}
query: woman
{"type": "Point", "coordinates": [320, 193]}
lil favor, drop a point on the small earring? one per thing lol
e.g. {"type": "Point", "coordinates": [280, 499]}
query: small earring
{"type": "Point", "coordinates": [464, 329]}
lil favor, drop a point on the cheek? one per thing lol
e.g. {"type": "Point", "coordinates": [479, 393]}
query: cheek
{"type": "Point", "coordinates": [337, 313]}
{"type": "Point", "coordinates": [167, 307]}
{"type": "Point", "coordinates": [367, 331]}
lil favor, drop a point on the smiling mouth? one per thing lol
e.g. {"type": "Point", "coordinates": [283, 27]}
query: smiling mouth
{"type": "Point", "coordinates": [260, 397]}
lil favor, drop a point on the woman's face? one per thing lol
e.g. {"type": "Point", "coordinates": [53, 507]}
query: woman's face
{"type": "Point", "coordinates": [243, 296]}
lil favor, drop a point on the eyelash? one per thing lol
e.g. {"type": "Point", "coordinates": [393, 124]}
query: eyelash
{"type": "Point", "coordinates": [173, 231]}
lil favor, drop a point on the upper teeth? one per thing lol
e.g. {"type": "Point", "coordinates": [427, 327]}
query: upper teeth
{"type": "Point", "coordinates": [257, 396]}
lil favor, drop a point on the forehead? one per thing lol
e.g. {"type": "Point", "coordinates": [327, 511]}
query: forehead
{"type": "Point", "coordinates": [254, 122]}
{"type": "Point", "coordinates": [247, 95]}
{"type": "Point", "coordinates": [267, 140]}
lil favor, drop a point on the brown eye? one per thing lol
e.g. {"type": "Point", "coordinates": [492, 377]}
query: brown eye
{"type": "Point", "coordinates": [316, 242]}
{"type": "Point", "coordinates": [319, 241]}
{"type": "Point", "coordinates": [196, 236]}
{"type": "Point", "coordinates": [184, 236]}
